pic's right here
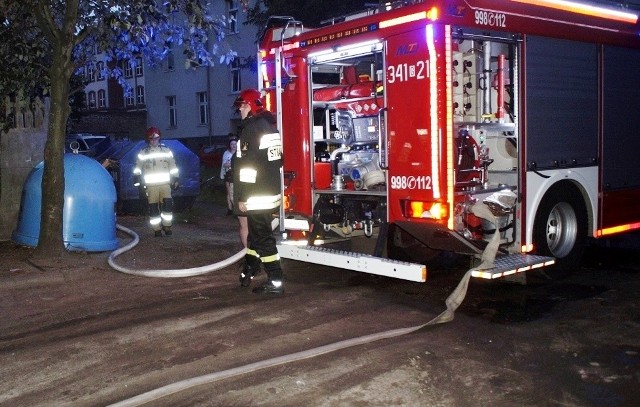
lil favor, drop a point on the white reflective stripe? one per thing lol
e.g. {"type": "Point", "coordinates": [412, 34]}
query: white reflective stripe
{"type": "Point", "coordinates": [157, 178]}
{"type": "Point", "coordinates": [248, 175]}
{"type": "Point", "coordinates": [270, 140]}
{"type": "Point", "coordinates": [166, 216]}
{"type": "Point", "coordinates": [155, 221]}
{"type": "Point", "coordinates": [155, 154]}
{"type": "Point", "coordinates": [137, 171]}
{"type": "Point", "coordinates": [296, 224]}
{"type": "Point", "coordinates": [174, 171]}
{"type": "Point", "coordinates": [276, 283]}
{"type": "Point", "coordinates": [263, 202]}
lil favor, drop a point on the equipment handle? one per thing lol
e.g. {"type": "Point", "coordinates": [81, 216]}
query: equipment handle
{"type": "Point", "coordinates": [383, 157]}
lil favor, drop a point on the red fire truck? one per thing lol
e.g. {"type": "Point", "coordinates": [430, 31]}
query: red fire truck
{"type": "Point", "coordinates": [445, 125]}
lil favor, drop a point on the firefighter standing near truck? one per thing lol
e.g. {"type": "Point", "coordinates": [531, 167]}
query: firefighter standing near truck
{"type": "Point", "coordinates": [257, 188]}
{"type": "Point", "coordinates": [157, 173]}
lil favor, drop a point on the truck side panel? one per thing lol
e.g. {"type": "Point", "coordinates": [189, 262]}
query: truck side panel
{"type": "Point", "coordinates": [296, 139]}
{"type": "Point", "coordinates": [561, 103]}
{"type": "Point", "coordinates": [621, 113]}
{"type": "Point", "coordinates": [621, 136]}
{"type": "Point", "coordinates": [413, 134]}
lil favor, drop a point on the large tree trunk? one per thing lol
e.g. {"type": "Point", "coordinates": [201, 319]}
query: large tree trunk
{"type": "Point", "coordinates": [51, 241]}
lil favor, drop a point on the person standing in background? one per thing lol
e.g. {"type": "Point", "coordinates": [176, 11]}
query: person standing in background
{"type": "Point", "coordinates": [231, 203]}
{"type": "Point", "coordinates": [226, 172]}
{"type": "Point", "coordinates": [157, 173]}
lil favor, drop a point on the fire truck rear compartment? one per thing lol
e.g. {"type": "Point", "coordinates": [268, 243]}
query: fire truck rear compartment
{"type": "Point", "coordinates": [350, 170]}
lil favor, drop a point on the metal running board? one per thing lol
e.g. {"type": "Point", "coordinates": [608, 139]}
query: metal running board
{"type": "Point", "coordinates": [511, 264]}
{"type": "Point", "coordinates": [354, 261]}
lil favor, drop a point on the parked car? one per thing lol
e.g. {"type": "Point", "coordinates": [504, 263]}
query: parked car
{"type": "Point", "coordinates": [211, 156]}
{"type": "Point", "coordinates": [89, 144]}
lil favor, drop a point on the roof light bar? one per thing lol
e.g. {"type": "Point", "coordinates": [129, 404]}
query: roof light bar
{"type": "Point", "coordinates": [585, 9]}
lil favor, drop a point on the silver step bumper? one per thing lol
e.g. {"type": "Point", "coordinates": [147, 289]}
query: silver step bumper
{"type": "Point", "coordinates": [354, 261]}
{"type": "Point", "coordinates": [503, 266]}
{"type": "Point", "coordinates": [511, 264]}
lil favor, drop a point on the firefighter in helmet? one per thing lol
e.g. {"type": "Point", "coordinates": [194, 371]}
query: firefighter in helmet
{"type": "Point", "coordinates": [257, 191]}
{"type": "Point", "coordinates": [157, 173]}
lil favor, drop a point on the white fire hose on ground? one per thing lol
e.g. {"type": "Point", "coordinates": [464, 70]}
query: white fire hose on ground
{"type": "Point", "coordinates": [452, 302]}
{"type": "Point", "coordinates": [190, 272]}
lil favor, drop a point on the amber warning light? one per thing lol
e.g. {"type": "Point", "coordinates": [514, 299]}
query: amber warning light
{"type": "Point", "coordinates": [425, 210]}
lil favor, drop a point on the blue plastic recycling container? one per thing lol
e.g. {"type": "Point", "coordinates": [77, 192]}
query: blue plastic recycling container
{"type": "Point", "coordinates": [89, 217]}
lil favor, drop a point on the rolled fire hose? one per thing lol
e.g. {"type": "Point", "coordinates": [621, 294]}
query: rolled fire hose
{"type": "Point", "coordinates": [452, 302]}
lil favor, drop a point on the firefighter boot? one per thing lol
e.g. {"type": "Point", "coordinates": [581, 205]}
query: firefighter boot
{"type": "Point", "coordinates": [167, 230]}
{"type": "Point", "coordinates": [157, 233]}
{"type": "Point", "coordinates": [275, 283]}
{"type": "Point", "coordinates": [250, 269]}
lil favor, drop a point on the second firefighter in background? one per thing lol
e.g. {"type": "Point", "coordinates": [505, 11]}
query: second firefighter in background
{"type": "Point", "coordinates": [157, 172]}
{"type": "Point", "coordinates": [257, 188]}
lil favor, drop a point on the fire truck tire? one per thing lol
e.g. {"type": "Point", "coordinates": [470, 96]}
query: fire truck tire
{"type": "Point", "coordinates": [560, 227]}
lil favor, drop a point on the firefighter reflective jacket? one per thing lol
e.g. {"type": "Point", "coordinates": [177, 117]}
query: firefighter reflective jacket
{"type": "Point", "coordinates": [258, 164]}
{"type": "Point", "coordinates": [155, 166]}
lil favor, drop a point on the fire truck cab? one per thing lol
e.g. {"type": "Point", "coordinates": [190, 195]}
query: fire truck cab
{"type": "Point", "coordinates": [454, 126]}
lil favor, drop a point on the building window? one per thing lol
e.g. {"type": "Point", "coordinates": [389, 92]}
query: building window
{"type": "Point", "coordinates": [232, 15]}
{"type": "Point", "coordinates": [91, 100]}
{"type": "Point", "coordinates": [173, 114]}
{"type": "Point", "coordinates": [171, 63]}
{"type": "Point", "coordinates": [203, 107]}
{"type": "Point", "coordinates": [91, 73]}
{"type": "Point", "coordinates": [102, 98]}
{"type": "Point", "coordinates": [236, 82]}
{"type": "Point", "coordinates": [129, 99]}
{"type": "Point", "coordinates": [100, 71]}
{"type": "Point", "coordinates": [140, 95]}
{"type": "Point", "coordinates": [139, 67]}
{"type": "Point", "coordinates": [128, 69]}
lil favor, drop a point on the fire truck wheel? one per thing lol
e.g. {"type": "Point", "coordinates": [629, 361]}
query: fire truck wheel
{"type": "Point", "coordinates": [560, 227]}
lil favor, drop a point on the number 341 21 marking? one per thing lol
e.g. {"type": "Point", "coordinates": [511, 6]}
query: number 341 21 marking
{"type": "Point", "coordinates": [410, 182]}
{"type": "Point", "coordinates": [405, 72]}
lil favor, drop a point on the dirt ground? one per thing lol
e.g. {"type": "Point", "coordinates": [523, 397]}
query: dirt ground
{"type": "Point", "coordinates": [76, 332]}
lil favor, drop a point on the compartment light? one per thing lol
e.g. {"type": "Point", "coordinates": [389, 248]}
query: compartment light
{"type": "Point", "coordinates": [361, 48]}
